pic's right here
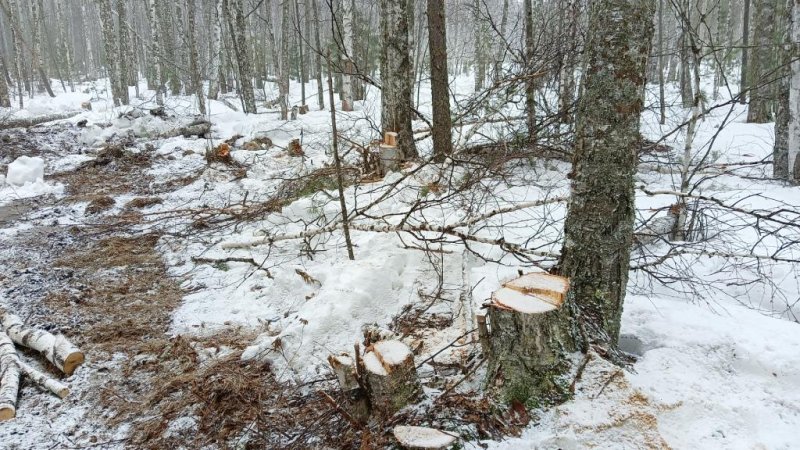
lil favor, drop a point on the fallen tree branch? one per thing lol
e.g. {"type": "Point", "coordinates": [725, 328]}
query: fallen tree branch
{"type": "Point", "coordinates": [52, 385]}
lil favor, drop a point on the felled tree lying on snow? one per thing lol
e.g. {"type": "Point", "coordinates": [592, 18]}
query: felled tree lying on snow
{"type": "Point", "coordinates": [57, 349]}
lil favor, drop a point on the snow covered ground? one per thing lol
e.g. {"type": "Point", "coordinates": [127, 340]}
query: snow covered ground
{"type": "Point", "coordinates": [718, 366]}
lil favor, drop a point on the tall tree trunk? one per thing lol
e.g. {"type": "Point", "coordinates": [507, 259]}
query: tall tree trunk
{"type": "Point", "coordinates": [283, 83]}
{"type": "Point", "coordinates": [599, 226]}
{"type": "Point", "coordinates": [347, 54]}
{"type": "Point", "coordinates": [16, 39]}
{"type": "Point", "coordinates": [5, 98]}
{"type": "Point", "coordinates": [793, 157]}
{"type": "Point", "coordinates": [568, 61]}
{"type": "Point", "coordinates": [661, 100]}
{"type": "Point", "coordinates": [300, 45]}
{"type": "Point", "coordinates": [500, 49]}
{"type": "Point", "coordinates": [397, 81]}
{"type": "Point", "coordinates": [122, 59]}
{"type": "Point", "coordinates": [760, 110]}
{"type": "Point", "coordinates": [318, 57]}
{"type": "Point", "coordinates": [743, 83]}
{"type": "Point", "coordinates": [156, 51]}
{"type": "Point", "coordinates": [66, 48]}
{"type": "Point", "coordinates": [236, 26]}
{"type": "Point", "coordinates": [440, 92]}
{"type": "Point", "coordinates": [216, 49]}
{"type": "Point", "coordinates": [479, 27]}
{"type": "Point", "coordinates": [110, 46]}
{"type": "Point", "coordinates": [530, 83]}
{"type": "Point", "coordinates": [37, 13]}
{"type": "Point", "coordinates": [194, 66]}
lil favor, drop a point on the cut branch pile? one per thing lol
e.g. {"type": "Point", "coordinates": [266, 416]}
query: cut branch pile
{"type": "Point", "coordinates": [55, 348]}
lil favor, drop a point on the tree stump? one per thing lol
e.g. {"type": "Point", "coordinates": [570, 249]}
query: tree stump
{"type": "Point", "coordinates": [390, 376]}
{"type": "Point", "coordinates": [531, 333]}
{"type": "Point", "coordinates": [344, 367]}
{"type": "Point", "coordinates": [390, 153]}
{"type": "Point", "coordinates": [422, 438]}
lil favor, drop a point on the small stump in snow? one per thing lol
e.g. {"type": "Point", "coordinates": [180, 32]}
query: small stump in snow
{"type": "Point", "coordinates": [422, 438]}
{"type": "Point", "coordinates": [344, 367]}
{"type": "Point", "coordinates": [391, 377]}
{"type": "Point", "coordinates": [530, 334]}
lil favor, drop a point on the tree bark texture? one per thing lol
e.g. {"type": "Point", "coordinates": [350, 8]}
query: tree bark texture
{"type": "Point", "coordinates": [599, 224]}
{"type": "Point", "coordinates": [397, 82]}
{"type": "Point", "coordinates": [440, 91]}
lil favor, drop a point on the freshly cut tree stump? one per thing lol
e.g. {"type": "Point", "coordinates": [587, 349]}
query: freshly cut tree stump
{"type": "Point", "coordinates": [9, 378]}
{"type": "Point", "coordinates": [344, 367]}
{"type": "Point", "coordinates": [422, 438]}
{"type": "Point", "coordinates": [530, 334]}
{"type": "Point", "coordinates": [55, 348]}
{"type": "Point", "coordinates": [390, 376]}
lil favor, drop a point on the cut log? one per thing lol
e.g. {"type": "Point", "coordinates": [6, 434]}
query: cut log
{"type": "Point", "coordinates": [198, 128]}
{"type": "Point", "coordinates": [422, 438]}
{"type": "Point", "coordinates": [530, 334]}
{"type": "Point", "coordinates": [38, 120]}
{"type": "Point", "coordinates": [390, 138]}
{"type": "Point", "coordinates": [391, 377]}
{"type": "Point", "coordinates": [56, 348]}
{"type": "Point", "coordinates": [54, 386]}
{"type": "Point", "coordinates": [9, 378]}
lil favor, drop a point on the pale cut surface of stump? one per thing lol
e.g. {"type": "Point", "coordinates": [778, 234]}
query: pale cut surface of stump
{"type": "Point", "coordinates": [422, 438]}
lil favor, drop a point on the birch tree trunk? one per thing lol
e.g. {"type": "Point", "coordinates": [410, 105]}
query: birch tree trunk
{"type": "Point", "coordinates": [283, 83]}
{"type": "Point", "coordinates": [237, 32]}
{"type": "Point", "coordinates": [9, 378]}
{"type": "Point", "coordinates": [109, 44]}
{"type": "Point", "coordinates": [318, 57]}
{"type": "Point", "coordinates": [397, 82]}
{"type": "Point", "coordinates": [530, 84]}
{"type": "Point", "coordinates": [479, 26]}
{"type": "Point", "coordinates": [66, 48]}
{"type": "Point", "coordinates": [347, 56]}
{"type": "Point", "coordinates": [216, 49]}
{"type": "Point", "coordinates": [440, 91]}
{"type": "Point", "coordinates": [37, 17]}
{"type": "Point", "coordinates": [156, 51]}
{"type": "Point", "coordinates": [598, 230]}
{"type": "Point", "coordinates": [123, 59]}
{"type": "Point", "coordinates": [16, 38]}
{"type": "Point", "coordinates": [300, 45]}
{"type": "Point", "coordinates": [793, 157]}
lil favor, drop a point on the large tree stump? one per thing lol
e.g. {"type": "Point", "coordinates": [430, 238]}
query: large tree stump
{"type": "Point", "coordinates": [390, 376]}
{"type": "Point", "coordinates": [9, 378]}
{"type": "Point", "coordinates": [56, 348]}
{"type": "Point", "coordinates": [530, 335]}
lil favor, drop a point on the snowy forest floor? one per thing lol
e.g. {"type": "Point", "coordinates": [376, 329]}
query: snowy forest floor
{"type": "Point", "coordinates": [120, 249]}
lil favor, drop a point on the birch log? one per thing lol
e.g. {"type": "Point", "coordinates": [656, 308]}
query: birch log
{"type": "Point", "coordinates": [56, 348]}
{"type": "Point", "coordinates": [9, 378]}
{"type": "Point", "coordinates": [530, 333]}
{"type": "Point", "coordinates": [51, 385]}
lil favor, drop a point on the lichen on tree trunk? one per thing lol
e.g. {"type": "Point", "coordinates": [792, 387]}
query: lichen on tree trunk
{"type": "Point", "coordinates": [599, 223]}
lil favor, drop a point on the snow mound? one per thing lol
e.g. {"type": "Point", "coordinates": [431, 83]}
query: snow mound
{"type": "Point", "coordinates": [25, 170]}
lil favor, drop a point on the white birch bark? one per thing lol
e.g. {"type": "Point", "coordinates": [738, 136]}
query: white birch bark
{"type": "Point", "coordinates": [216, 49]}
{"type": "Point", "coordinates": [156, 52]}
{"type": "Point", "coordinates": [283, 83]}
{"type": "Point", "coordinates": [347, 57]}
{"type": "Point", "coordinates": [9, 378]}
{"type": "Point", "coordinates": [55, 348]}
{"type": "Point", "coordinates": [794, 98]}
{"type": "Point", "coordinates": [51, 385]}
